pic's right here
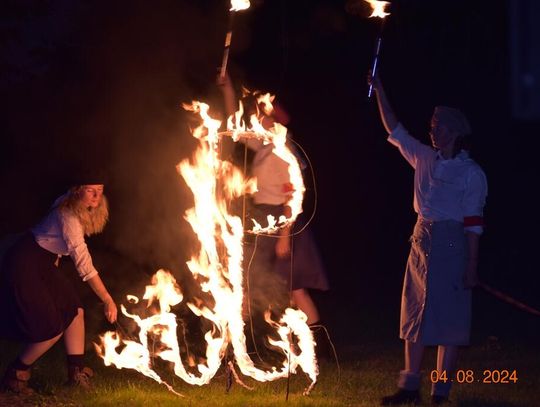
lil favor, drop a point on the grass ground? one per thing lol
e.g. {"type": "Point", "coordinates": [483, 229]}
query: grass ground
{"type": "Point", "coordinates": [366, 372]}
{"type": "Point", "coordinates": [363, 329]}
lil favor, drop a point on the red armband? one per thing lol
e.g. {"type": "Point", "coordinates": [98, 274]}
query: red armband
{"type": "Point", "coordinates": [473, 221]}
{"type": "Point", "coordinates": [288, 187]}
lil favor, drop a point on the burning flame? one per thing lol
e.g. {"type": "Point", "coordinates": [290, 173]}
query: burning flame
{"type": "Point", "coordinates": [379, 8]}
{"type": "Point", "coordinates": [237, 5]}
{"type": "Point", "coordinates": [218, 268]}
{"type": "Point", "coordinates": [278, 136]}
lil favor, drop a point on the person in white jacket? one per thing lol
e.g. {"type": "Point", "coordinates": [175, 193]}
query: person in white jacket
{"type": "Point", "coordinates": [450, 191]}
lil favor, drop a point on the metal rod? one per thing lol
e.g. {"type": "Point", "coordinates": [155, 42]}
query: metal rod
{"type": "Point", "coordinates": [376, 58]}
{"type": "Point", "coordinates": [123, 331]}
{"type": "Point", "coordinates": [375, 63]}
{"type": "Point", "coordinates": [512, 301]}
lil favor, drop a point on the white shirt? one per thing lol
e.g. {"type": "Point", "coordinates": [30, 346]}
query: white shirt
{"type": "Point", "coordinates": [272, 173]}
{"type": "Point", "coordinates": [452, 189]}
{"type": "Point", "coordinates": [61, 232]}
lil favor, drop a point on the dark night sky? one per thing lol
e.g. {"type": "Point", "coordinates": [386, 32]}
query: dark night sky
{"type": "Point", "coordinates": [100, 83]}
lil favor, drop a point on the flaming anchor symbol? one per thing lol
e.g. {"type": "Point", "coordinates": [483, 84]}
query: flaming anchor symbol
{"type": "Point", "coordinates": [218, 266]}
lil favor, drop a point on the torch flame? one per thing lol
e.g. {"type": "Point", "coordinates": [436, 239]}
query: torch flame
{"type": "Point", "coordinates": [378, 8]}
{"type": "Point", "coordinates": [237, 5]}
{"type": "Point", "coordinates": [218, 268]}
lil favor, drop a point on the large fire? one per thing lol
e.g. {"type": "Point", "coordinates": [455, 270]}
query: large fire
{"type": "Point", "coordinates": [218, 267]}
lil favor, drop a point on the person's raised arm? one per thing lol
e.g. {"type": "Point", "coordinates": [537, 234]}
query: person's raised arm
{"type": "Point", "coordinates": [229, 98]}
{"type": "Point", "coordinates": [388, 116]}
{"type": "Point", "coordinates": [224, 84]}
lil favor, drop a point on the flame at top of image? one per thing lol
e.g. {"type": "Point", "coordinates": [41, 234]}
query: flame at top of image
{"type": "Point", "coordinates": [378, 8]}
{"type": "Point", "coordinates": [237, 5]}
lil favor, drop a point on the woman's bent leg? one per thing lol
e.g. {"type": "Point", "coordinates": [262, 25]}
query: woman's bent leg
{"type": "Point", "coordinates": [78, 374]}
{"type": "Point", "coordinates": [33, 351]}
{"type": "Point", "coordinates": [18, 373]}
{"type": "Point", "coordinates": [74, 335]}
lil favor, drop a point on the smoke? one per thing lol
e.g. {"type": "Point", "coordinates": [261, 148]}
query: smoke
{"type": "Point", "coordinates": [150, 135]}
{"type": "Point", "coordinates": [109, 97]}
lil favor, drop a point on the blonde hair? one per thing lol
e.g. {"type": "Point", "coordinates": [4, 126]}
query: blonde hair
{"type": "Point", "coordinates": [93, 220]}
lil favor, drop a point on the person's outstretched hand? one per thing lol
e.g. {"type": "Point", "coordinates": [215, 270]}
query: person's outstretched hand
{"type": "Point", "coordinates": [111, 312]}
{"type": "Point", "coordinates": [283, 247]}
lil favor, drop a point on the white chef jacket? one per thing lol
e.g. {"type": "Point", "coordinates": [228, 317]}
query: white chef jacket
{"type": "Point", "coordinates": [453, 189]}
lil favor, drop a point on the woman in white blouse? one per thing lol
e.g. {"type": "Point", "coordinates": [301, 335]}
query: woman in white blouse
{"type": "Point", "coordinates": [38, 303]}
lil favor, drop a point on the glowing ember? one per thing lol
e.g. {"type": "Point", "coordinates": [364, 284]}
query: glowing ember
{"type": "Point", "coordinates": [218, 268]}
{"type": "Point", "coordinates": [378, 8]}
{"type": "Point", "coordinates": [237, 5]}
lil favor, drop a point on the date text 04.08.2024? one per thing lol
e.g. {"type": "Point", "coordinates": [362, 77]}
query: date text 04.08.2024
{"type": "Point", "coordinates": [488, 376]}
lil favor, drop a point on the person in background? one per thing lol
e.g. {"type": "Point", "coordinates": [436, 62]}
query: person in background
{"type": "Point", "coordinates": [450, 191]}
{"type": "Point", "coordinates": [274, 189]}
{"type": "Point", "coordinates": [39, 305]}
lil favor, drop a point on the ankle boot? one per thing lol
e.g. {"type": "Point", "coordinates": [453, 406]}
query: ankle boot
{"type": "Point", "coordinates": [79, 377]}
{"type": "Point", "coordinates": [16, 381]}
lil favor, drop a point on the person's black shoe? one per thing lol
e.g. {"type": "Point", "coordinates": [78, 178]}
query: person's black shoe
{"type": "Point", "coordinates": [402, 397]}
{"type": "Point", "coordinates": [438, 400]}
{"type": "Point", "coordinates": [324, 347]}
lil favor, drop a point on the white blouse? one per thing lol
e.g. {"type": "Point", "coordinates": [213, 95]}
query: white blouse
{"type": "Point", "coordinates": [453, 189]}
{"type": "Point", "coordinates": [61, 232]}
{"type": "Point", "coordinates": [272, 173]}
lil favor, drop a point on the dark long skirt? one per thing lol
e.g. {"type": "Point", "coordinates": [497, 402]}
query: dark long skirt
{"type": "Point", "coordinates": [37, 300]}
{"type": "Point", "coordinates": [304, 269]}
{"type": "Point", "coordinates": [264, 286]}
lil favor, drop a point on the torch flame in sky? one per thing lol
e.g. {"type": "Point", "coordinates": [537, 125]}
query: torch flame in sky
{"type": "Point", "coordinates": [237, 5]}
{"type": "Point", "coordinates": [217, 266]}
{"type": "Point", "coordinates": [378, 8]}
